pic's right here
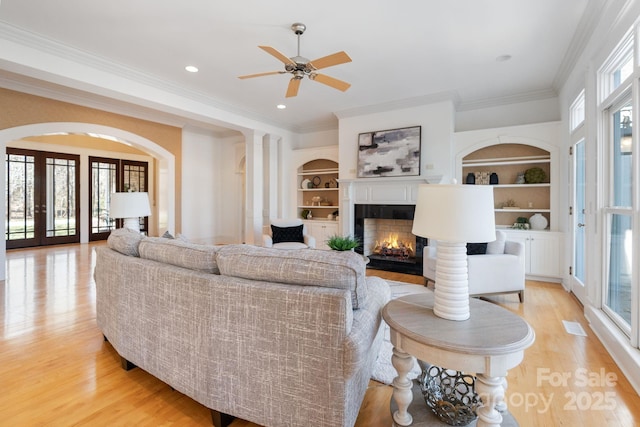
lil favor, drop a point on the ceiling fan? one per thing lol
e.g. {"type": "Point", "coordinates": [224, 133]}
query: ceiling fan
{"type": "Point", "coordinates": [300, 66]}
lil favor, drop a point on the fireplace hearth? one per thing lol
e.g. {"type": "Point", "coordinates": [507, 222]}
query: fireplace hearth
{"type": "Point", "coordinates": [385, 231]}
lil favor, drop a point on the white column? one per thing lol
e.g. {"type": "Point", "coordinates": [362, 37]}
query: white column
{"type": "Point", "coordinates": [273, 189]}
{"type": "Point", "coordinates": [254, 186]}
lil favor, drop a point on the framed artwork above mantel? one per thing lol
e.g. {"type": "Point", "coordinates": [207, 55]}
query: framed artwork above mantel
{"type": "Point", "coordinates": [387, 153]}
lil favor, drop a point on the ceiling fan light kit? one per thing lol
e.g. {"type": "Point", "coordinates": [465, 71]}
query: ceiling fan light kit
{"type": "Point", "coordinates": [299, 66]}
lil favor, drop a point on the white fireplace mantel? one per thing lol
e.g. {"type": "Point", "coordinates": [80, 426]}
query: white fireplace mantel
{"type": "Point", "coordinates": [377, 191]}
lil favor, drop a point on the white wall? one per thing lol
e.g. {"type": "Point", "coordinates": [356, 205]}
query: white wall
{"type": "Point", "coordinates": [200, 182]}
{"type": "Point", "coordinates": [437, 121]}
{"type": "Point", "coordinates": [517, 113]}
{"type": "Point", "coordinates": [211, 188]}
{"type": "Point", "coordinates": [316, 139]}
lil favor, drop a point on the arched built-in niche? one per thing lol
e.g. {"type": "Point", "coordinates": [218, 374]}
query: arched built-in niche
{"type": "Point", "coordinates": [507, 156]}
{"type": "Point", "coordinates": [165, 209]}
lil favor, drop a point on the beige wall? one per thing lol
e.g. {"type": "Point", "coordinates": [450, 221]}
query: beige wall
{"type": "Point", "coordinates": [19, 109]}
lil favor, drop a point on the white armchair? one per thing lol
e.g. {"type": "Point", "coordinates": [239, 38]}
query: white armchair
{"type": "Point", "coordinates": [288, 234]}
{"type": "Point", "coordinates": [500, 270]}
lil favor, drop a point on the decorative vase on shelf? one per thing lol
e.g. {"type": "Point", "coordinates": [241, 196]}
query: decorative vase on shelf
{"type": "Point", "coordinates": [493, 178]}
{"type": "Point", "coordinates": [471, 178]}
{"type": "Point", "coordinates": [538, 222]}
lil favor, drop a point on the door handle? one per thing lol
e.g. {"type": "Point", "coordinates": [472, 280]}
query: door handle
{"type": "Point", "coordinates": [580, 224]}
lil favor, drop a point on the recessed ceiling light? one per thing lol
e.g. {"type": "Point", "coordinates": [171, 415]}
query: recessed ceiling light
{"type": "Point", "coordinates": [191, 69]}
{"type": "Point", "coordinates": [503, 58]}
{"type": "Point", "coordinates": [281, 106]}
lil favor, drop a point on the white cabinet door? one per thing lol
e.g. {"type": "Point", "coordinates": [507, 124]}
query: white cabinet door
{"type": "Point", "coordinates": [543, 251]}
{"type": "Point", "coordinates": [321, 230]}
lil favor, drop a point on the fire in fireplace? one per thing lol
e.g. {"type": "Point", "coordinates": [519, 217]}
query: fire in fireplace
{"type": "Point", "coordinates": [392, 246]}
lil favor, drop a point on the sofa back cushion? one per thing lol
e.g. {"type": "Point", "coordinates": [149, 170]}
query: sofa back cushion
{"type": "Point", "coordinates": [125, 241]}
{"type": "Point", "coordinates": [331, 269]}
{"type": "Point", "coordinates": [180, 253]}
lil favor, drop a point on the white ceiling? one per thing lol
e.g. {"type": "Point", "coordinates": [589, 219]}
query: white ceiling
{"type": "Point", "coordinates": [400, 49]}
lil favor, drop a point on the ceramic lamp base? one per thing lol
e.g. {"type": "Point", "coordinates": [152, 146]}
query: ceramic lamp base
{"type": "Point", "coordinates": [132, 224]}
{"type": "Point", "coordinates": [451, 299]}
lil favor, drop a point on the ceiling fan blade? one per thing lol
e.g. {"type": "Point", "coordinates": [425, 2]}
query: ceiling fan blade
{"type": "Point", "coordinates": [294, 85]}
{"type": "Point", "coordinates": [277, 54]}
{"type": "Point", "coordinates": [250, 76]}
{"type": "Point", "coordinates": [330, 60]}
{"type": "Point", "coordinates": [330, 81]}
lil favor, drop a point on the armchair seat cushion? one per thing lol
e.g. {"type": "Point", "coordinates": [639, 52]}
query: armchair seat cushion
{"type": "Point", "coordinates": [500, 270]}
{"type": "Point", "coordinates": [290, 245]}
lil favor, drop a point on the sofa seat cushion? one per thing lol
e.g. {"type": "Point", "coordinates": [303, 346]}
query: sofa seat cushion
{"type": "Point", "coordinates": [180, 253]}
{"type": "Point", "coordinates": [331, 269]}
{"type": "Point", "coordinates": [125, 241]}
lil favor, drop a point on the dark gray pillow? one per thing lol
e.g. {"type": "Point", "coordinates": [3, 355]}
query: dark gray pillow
{"type": "Point", "coordinates": [476, 248]}
{"type": "Point", "coordinates": [287, 234]}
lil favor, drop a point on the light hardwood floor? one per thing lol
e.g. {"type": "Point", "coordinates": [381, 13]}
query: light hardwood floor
{"type": "Point", "coordinates": [56, 370]}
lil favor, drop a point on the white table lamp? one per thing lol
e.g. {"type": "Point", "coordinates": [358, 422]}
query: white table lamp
{"type": "Point", "coordinates": [454, 215]}
{"type": "Point", "coordinates": [130, 206]}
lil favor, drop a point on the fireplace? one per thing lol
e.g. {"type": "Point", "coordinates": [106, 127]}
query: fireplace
{"type": "Point", "coordinates": [385, 233]}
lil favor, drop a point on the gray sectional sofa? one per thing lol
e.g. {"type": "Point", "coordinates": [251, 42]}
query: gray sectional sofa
{"type": "Point", "coordinates": [276, 337]}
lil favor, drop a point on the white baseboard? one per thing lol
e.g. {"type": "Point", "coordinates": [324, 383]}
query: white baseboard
{"type": "Point", "coordinates": [617, 344]}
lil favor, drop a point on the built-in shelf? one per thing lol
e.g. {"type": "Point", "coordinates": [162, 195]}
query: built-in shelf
{"type": "Point", "coordinates": [507, 161]}
{"type": "Point", "coordinates": [329, 171]}
{"type": "Point", "coordinates": [523, 210]}
{"type": "Point", "coordinates": [326, 173]}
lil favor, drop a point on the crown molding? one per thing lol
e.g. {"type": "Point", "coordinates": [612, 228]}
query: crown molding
{"type": "Point", "coordinates": [579, 41]}
{"type": "Point", "coordinates": [113, 104]}
{"type": "Point", "coordinates": [399, 104]}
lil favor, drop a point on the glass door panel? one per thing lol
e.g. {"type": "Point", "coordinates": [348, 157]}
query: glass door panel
{"type": "Point", "coordinates": [110, 176]}
{"type": "Point", "coordinates": [104, 181]}
{"type": "Point", "coordinates": [20, 199]}
{"type": "Point", "coordinates": [41, 198]}
{"type": "Point", "coordinates": [579, 209]}
{"type": "Point", "coordinates": [61, 196]}
{"type": "Point", "coordinates": [135, 178]}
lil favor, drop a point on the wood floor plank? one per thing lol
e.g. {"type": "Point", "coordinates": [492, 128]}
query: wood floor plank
{"type": "Point", "coordinates": [56, 369]}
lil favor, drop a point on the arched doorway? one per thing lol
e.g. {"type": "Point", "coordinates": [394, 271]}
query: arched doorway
{"type": "Point", "coordinates": [165, 209]}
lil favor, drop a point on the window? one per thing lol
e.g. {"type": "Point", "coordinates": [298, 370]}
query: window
{"type": "Point", "coordinates": [617, 69]}
{"type": "Point", "coordinates": [618, 215]}
{"type": "Point", "coordinates": [576, 112]}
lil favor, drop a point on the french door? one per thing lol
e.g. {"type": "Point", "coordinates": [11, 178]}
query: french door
{"type": "Point", "coordinates": [109, 176]}
{"type": "Point", "coordinates": [42, 198]}
{"type": "Point", "coordinates": [578, 210]}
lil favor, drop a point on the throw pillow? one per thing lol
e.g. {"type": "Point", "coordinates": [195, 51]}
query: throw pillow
{"type": "Point", "coordinates": [181, 254]}
{"type": "Point", "coordinates": [125, 241]}
{"type": "Point", "coordinates": [476, 248]}
{"type": "Point", "coordinates": [497, 246]}
{"type": "Point", "coordinates": [287, 234]}
{"type": "Point", "coordinates": [167, 235]}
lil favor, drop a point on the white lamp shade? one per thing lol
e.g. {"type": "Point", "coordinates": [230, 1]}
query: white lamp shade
{"type": "Point", "coordinates": [129, 205]}
{"type": "Point", "coordinates": [455, 213]}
